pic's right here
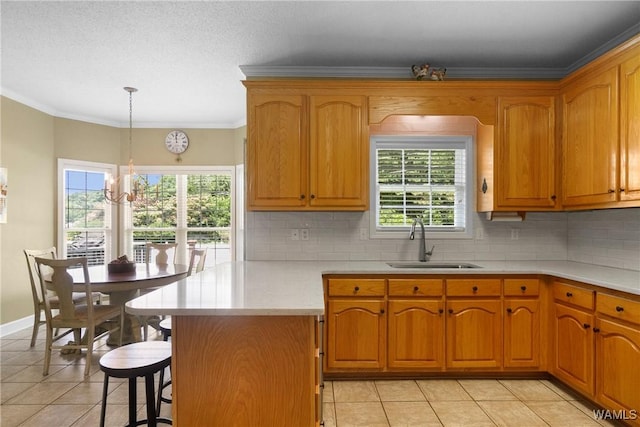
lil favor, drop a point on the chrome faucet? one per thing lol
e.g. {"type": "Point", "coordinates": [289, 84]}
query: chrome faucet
{"type": "Point", "coordinates": [422, 247]}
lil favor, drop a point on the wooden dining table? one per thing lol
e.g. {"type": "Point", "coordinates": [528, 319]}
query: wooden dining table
{"type": "Point", "coordinates": [123, 287]}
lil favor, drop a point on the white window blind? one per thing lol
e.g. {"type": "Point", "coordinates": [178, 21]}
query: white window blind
{"type": "Point", "coordinates": [421, 177]}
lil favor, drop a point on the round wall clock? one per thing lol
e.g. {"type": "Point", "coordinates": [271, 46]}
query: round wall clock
{"type": "Point", "coordinates": [177, 142]}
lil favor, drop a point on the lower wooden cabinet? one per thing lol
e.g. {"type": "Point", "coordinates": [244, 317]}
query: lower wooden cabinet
{"type": "Point", "coordinates": [618, 369]}
{"type": "Point", "coordinates": [522, 333]}
{"type": "Point", "coordinates": [522, 323]}
{"type": "Point", "coordinates": [415, 334]}
{"type": "Point", "coordinates": [574, 356]}
{"type": "Point", "coordinates": [356, 331]}
{"type": "Point", "coordinates": [589, 340]}
{"type": "Point", "coordinates": [474, 334]}
{"type": "Point", "coordinates": [617, 335]}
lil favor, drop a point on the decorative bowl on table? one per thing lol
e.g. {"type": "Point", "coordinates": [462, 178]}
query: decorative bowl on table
{"type": "Point", "coordinates": [121, 265]}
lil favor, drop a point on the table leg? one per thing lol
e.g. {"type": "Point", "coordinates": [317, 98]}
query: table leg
{"type": "Point", "coordinates": [131, 327]}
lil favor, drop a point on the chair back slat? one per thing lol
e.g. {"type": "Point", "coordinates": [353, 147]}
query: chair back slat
{"type": "Point", "coordinates": [61, 282]}
{"type": "Point", "coordinates": [162, 256]}
{"type": "Point", "coordinates": [30, 255]}
{"type": "Point", "coordinates": [200, 255]}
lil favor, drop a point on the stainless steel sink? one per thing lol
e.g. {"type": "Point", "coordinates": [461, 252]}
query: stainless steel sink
{"type": "Point", "coordinates": [428, 264]}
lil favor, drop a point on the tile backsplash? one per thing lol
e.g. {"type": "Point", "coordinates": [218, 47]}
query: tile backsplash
{"type": "Point", "coordinates": [603, 237]}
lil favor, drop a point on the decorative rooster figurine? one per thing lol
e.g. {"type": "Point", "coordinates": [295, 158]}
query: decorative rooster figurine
{"type": "Point", "coordinates": [420, 71]}
{"type": "Point", "coordinates": [438, 73]}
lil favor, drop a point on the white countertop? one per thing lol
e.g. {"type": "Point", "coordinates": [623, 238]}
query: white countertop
{"type": "Point", "coordinates": [278, 288]}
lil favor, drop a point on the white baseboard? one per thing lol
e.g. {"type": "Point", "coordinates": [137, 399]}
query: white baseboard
{"type": "Point", "coordinates": [16, 326]}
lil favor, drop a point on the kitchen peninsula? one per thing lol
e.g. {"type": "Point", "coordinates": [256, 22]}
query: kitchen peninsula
{"type": "Point", "coordinates": [247, 337]}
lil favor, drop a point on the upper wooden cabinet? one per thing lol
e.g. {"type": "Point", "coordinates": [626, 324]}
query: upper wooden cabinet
{"type": "Point", "coordinates": [277, 151]}
{"type": "Point", "coordinates": [516, 167]}
{"type": "Point", "coordinates": [601, 132]}
{"type": "Point", "coordinates": [306, 152]}
{"type": "Point", "coordinates": [339, 154]}
{"type": "Point", "coordinates": [590, 144]}
{"type": "Point", "coordinates": [541, 145]}
{"type": "Point", "coordinates": [630, 128]}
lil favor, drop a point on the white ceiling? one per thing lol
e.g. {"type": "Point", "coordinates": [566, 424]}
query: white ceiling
{"type": "Point", "coordinates": [72, 59]}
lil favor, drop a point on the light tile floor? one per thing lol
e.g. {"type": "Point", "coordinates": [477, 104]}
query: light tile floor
{"type": "Point", "coordinates": [450, 402]}
{"type": "Point", "coordinates": [64, 398]}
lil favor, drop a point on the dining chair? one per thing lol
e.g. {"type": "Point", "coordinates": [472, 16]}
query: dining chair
{"type": "Point", "coordinates": [75, 317]}
{"type": "Point", "coordinates": [161, 252]}
{"type": "Point", "coordinates": [36, 292]}
{"type": "Point", "coordinates": [201, 256]}
{"type": "Point", "coordinates": [165, 324]}
{"type": "Point", "coordinates": [161, 249]}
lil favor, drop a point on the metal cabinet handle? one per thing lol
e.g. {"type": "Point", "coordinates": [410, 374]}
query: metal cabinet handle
{"type": "Point", "coordinates": [569, 294]}
{"type": "Point", "coordinates": [523, 288]}
{"type": "Point", "coordinates": [474, 289]}
{"type": "Point", "coordinates": [416, 289]}
{"type": "Point", "coordinates": [509, 310]}
{"type": "Point", "coordinates": [619, 308]}
{"type": "Point", "coordinates": [596, 330]}
{"type": "Point", "coordinates": [440, 311]}
{"type": "Point", "coordinates": [302, 197]}
{"type": "Point", "coordinates": [313, 196]}
{"type": "Point", "coordinates": [451, 311]}
{"type": "Point", "coordinates": [611, 190]}
{"type": "Point", "coordinates": [586, 325]}
{"type": "Point", "coordinates": [382, 311]}
{"type": "Point", "coordinates": [356, 288]}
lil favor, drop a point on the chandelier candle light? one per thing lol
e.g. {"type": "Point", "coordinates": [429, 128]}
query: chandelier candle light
{"type": "Point", "coordinates": [111, 185]}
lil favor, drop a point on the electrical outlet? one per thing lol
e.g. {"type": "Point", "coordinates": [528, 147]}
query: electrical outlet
{"type": "Point", "coordinates": [515, 234]}
{"type": "Point", "coordinates": [304, 234]}
{"type": "Point", "coordinates": [295, 234]}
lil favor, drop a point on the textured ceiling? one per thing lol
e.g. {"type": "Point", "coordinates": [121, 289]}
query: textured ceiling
{"type": "Point", "coordinates": [72, 59]}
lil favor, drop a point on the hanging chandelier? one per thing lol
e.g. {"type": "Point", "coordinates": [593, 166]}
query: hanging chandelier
{"type": "Point", "coordinates": [112, 192]}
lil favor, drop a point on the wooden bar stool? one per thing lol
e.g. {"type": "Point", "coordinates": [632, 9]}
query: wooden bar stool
{"type": "Point", "coordinates": [141, 359]}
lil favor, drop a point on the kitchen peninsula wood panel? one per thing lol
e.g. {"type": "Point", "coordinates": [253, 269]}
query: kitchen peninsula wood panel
{"type": "Point", "coordinates": [244, 370]}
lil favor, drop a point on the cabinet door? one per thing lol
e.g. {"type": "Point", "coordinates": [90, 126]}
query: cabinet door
{"type": "Point", "coordinates": [573, 336]}
{"type": "Point", "coordinates": [522, 333]}
{"type": "Point", "coordinates": [590, 149]}
{"type": "Point", "coordinates": [276, 151]}
{"type": "Point", "coordinates": [617, 362]}
{"type": "Point", "coordinates": [356, 332]}
{"type": "Point", "coordinates": [630, 129]}
{"type": "Point", "coordinates": [525, 168]}
{"type": "Point", "coordinates": [474, 334]}
{"type": "Point", "coordinates": [416, 334]}
{"type": "Point", "coordinates": [339, 161]}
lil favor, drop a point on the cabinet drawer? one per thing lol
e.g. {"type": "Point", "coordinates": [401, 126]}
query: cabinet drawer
{"type": "Point", "coordinates": [619, 308]}
{"type": "Point", "coordinates": [573, 295]}
{"type": "Point", "coordinates": [521, 287]}
{"type": "Point", "coordinates": [356, 287]}
{"type": "Point", "coordinates": [415, 287]}
{"type": "Point", "coordinates": [473, 287]}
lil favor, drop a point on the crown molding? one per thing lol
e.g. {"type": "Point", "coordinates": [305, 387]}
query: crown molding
{"type": "Point", "coordinates": [255, 71]}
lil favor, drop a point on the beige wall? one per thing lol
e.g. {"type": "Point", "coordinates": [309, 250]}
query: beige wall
{"type": "Point", "coordinates": [28, 154]}
{"type": "Point", "coordinates": [32, 142]}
